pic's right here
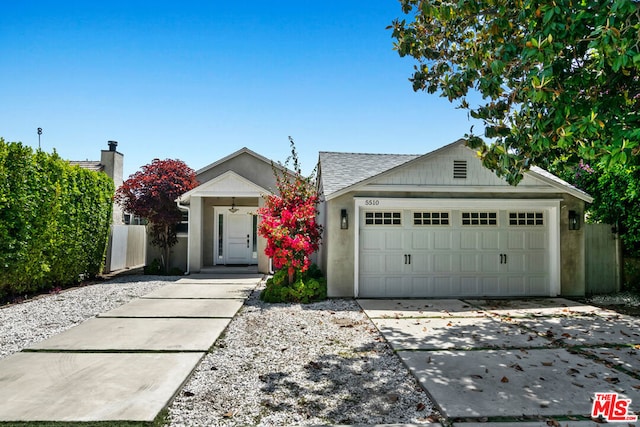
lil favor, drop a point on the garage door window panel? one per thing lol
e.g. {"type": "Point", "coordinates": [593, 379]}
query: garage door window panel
{"type": "Point", "coordinates": [521, 219]}
{"type": "Point", "coordinates": [431, 218]}
{"type": "Point", "coordinates": [383, 218]}
{"type": "Point", "coordinates": [479, 218]}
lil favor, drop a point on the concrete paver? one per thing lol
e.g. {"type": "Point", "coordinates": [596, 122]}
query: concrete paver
{"type": "Point", "coordinates": [90, 386]}
{"type": "Point", "coordinates": [591, 330]}
{"type": "Point", "coordinates": [220, 279]}
{"type": "Point", "coordinates": [177, 308]}
{"type": "Point", "coordinates": [447, 345]}
{"type": "Point", "coordinates": [404, 308]}
{"type": "Point", "coordinates": [461, 333]}
{"type": "Point", "coordinates": [538, 307]}
{"type": "Point", "coordinates": [118, 334]}
{"type": "Point", "coordinates": [199, 291]}
{"type": "Point", "coordinates": [495, 383]}
{"type": "Point", "coordinates": [627, 358]}
{"type": "Point", "coordinates": [126, 364]}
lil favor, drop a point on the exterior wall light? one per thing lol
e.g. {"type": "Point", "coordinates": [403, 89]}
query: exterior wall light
{"type": "Point", "coordinates": [344, 220]}
{"type": "Point", "coordinates": [574, 220]}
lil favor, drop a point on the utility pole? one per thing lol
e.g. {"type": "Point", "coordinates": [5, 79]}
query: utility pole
{"type": "Point", "coordinates": [39, 133]}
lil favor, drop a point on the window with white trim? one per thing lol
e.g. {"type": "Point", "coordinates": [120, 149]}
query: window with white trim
{"type": "Point", "coordinates": [182, 228]}
{"type": "Point", "coordinates": [383, 218]}
{"type": "Point", "coordinates": [431, 218]}
{"type": "Point", "coordinates": [479, 218]}
{"type": "Point", "coordinates": [526, 218]}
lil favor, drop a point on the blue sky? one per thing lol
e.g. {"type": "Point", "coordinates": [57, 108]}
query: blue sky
{"type": "Point", "coordinates": [198, 80]}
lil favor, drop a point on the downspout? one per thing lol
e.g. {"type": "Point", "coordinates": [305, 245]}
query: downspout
{"type": "Point", "coordinates": [188, 210]}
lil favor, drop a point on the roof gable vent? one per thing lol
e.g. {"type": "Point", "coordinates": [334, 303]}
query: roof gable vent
{"type": "Point", "coordinates": [459, 168]}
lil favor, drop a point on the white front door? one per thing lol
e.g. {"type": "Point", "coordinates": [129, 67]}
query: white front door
{"type": "Point", "coordinates": [235, 237]}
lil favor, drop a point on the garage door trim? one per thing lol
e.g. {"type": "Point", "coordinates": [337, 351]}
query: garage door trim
{"type": "Point", "coordinates": [552, 206]}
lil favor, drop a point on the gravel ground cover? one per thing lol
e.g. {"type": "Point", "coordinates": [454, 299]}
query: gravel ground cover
{"type": "Point", "coordinates": [290, 364]}
{"type": "Point", "coordinates": [622, 302]}
{"type": "Point", "coordinates": [275, 365]}
{"type": "Point", "coordinates": [35, 320]}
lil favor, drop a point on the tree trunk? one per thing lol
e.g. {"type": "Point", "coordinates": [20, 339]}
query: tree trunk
{"type": "Point", "coordinates": [166, 249]}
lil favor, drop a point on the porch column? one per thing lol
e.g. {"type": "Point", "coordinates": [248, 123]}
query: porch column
{"type": "Point", "coordinates": [263, 260]}
{"type": "Point", "coordinates": [195, 235]}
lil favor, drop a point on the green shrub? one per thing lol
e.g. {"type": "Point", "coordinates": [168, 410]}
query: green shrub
{"type": "Point", "coordinates": [157, 269]}
{"type": "Point", "coordinates": [308, 287]}
{"type": "Point", "coordinates": [54, 220]}
{"type": "Point", "coordinates": [631, 275]}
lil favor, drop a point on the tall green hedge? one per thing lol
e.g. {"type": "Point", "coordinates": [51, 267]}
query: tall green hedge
{"type": "Point", "coordinates": [54, 220]}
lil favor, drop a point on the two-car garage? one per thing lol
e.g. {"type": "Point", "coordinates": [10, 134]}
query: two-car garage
{"type": "Point", "coordinates": [450, 247]}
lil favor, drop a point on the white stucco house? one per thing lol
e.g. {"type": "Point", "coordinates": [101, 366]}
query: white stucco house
{"type": "Point", "coordinates": [432, 225]}
{"type": "Point", "coordinates": [441, 225]}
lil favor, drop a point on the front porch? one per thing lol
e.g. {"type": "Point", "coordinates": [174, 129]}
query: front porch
{"type": "Point", "coordinates": [223, 223]}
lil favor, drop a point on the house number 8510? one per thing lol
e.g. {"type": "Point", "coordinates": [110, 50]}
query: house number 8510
{"type": "Point", "coordinates": [371, 202]}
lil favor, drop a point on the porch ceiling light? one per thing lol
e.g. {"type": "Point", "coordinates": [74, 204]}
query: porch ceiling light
{"type": "Point", "coordinates": [233, 208]}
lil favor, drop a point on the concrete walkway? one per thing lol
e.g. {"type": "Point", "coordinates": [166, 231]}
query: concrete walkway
{"type": "Point", "coordinates": [505, 362]}
{"type": "Point", "coordinates": [125, 364]}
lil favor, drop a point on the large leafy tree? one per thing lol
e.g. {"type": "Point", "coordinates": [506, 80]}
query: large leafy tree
{"type": "Point", "coordinates": [289, 219]}
{"type": "Point", "coordinates": [558, 79]}
{"type": "Point", "coordinates": [616, 194]}
{"type": "Point", "coordinates": [151, 193]}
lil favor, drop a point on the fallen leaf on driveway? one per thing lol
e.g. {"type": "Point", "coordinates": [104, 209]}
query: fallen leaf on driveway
{"type": "Point", "coordinates": [516, 367]}
{"type": "Point", "coordinates": [420, 407]}
{"type": "Point", "coordinates": [228, 414]}
{"type": "Point", "coordinates": [504, 380]}
{"type": "Point", "coordinates": [612, 380]}
{"type": "Point", "coordinates": [624, 333]}
{"type": "Point", "coordinates": [478, 377]}
{"type": "Point", "coordinates": [572, 371]}
{"type": "Point", "coordinates": [547, 363]}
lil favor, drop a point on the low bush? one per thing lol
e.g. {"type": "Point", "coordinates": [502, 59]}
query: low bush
{"type": "Point", "coordinates": [631, 275]}
{"type": "Point", "coordinates": [308, 287]}
{"type": "Point", "coordinates": [157, 269]}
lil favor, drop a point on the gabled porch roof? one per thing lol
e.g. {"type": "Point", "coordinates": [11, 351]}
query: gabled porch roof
{"type": "Point", "coordinates": [229, 184]}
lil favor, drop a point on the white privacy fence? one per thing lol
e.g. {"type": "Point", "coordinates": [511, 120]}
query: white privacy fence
{"type": "Point", "coordinates": [603, 259]}
{"type": "Point", "coordinates": [127, 247]}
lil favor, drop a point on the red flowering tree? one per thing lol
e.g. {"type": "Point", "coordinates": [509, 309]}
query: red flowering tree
{"type": "Point", "coordinates": [289, 219]}
{"type": "Point", "coordinates": [151, 193]}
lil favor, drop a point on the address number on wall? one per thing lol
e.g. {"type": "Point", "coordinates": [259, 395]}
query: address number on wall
{"type": "Point", "coordinates": [371, 202]}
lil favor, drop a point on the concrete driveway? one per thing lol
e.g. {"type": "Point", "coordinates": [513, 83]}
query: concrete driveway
{"type": "Point", "coordinates": [513, 362]}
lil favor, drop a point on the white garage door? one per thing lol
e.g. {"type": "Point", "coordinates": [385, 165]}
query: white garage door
{"type": "Point", "coordinates": [454, 252]}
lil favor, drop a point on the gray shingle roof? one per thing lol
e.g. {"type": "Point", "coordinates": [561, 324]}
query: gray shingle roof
{"type": "Point", "coordinates": [342, 170]}
{"type": "Point", "coordinates": [88, 164]}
